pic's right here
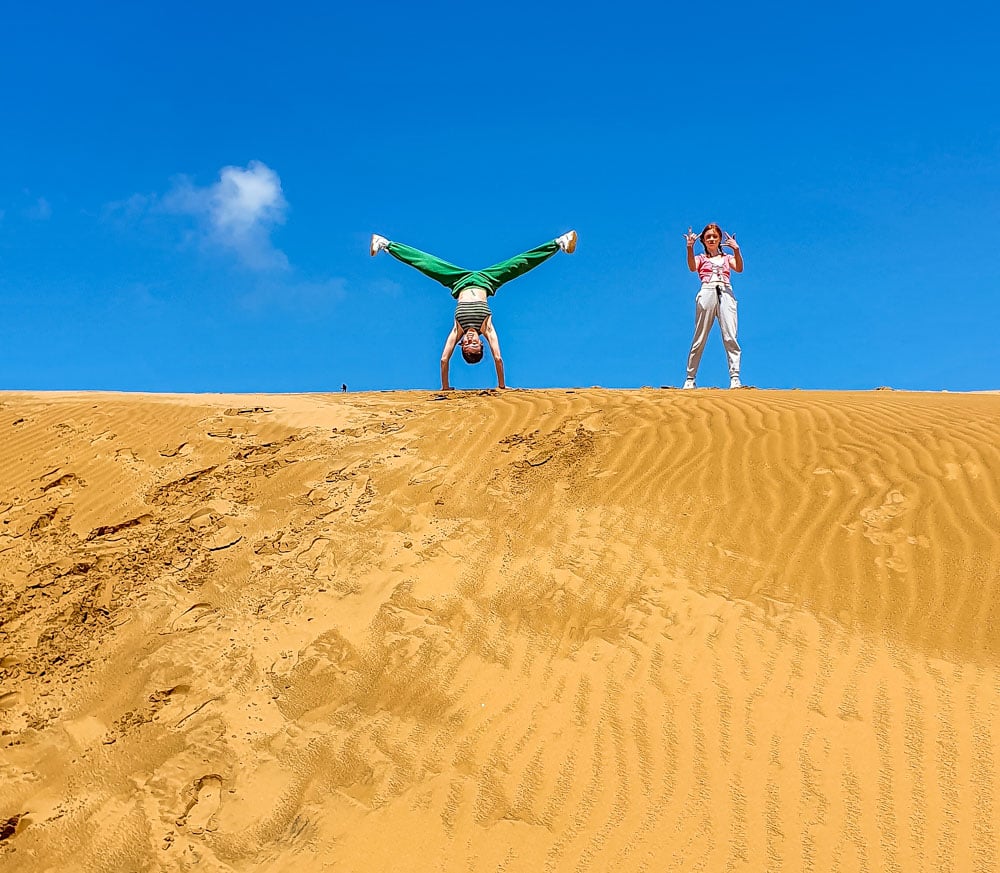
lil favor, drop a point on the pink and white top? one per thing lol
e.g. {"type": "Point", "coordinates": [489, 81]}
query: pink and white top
{"type": "Point", "coordinates": [714, 270]}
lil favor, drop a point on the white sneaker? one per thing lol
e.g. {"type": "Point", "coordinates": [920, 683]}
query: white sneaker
{"type": "Point", "coordinates": [567, 242]}
{"type": "Point", "coordinates": [688, 384]}
{"type": "Point", "coordinates": [734, 382]}
{"type": "Point", "coordinates": [378, 244]}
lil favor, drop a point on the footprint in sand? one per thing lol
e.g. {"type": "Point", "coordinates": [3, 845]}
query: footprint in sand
{"type": "Point", "coordinates": [222, 539]}
{"type": "Point", "coordinates": [247, 410]}
{"type": "Point", "coordinates": [193, 618]}
{"type": "Point", "coordinates": [320, 558]}
{"type": "Point", "coordinates": [208, 798]}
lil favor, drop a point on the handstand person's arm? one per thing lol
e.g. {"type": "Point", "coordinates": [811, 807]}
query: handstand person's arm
{"type": "Point", "coordinates": [491, 337]}
{"type": "Point", "coordinates": [449, 350]}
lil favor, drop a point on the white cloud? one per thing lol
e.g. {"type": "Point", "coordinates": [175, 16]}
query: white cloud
{"type": "Point", "coordinates": [237, 213]}
{"type": "Point", "coordinates": [131, 208]}
{"type": "Point", "coordinates": [40, 210]}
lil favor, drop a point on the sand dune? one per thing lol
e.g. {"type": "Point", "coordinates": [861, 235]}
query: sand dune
{"type": "Point", "coordinates": [559, 630]}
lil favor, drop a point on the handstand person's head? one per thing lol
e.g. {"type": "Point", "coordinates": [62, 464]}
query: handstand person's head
{"type": "Point", "coordinates": [711, 238]}
{"type": "Point", "coordinates": [472, 346]}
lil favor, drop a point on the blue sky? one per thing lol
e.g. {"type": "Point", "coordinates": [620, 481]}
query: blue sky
{"type": "Point", "coordinates": [187, 191]}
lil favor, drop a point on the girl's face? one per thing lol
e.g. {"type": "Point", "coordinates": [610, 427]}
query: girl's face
{"type": "Point", "coordinates": [711, 240]}
{"type": "Point", "coordinates": [470, 342]}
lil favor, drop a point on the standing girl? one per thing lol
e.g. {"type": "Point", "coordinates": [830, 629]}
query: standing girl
{"type": "Point", "coordinates": [715, 299]}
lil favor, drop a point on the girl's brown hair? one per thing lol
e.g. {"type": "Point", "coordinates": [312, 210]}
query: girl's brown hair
{"type": "Point", "coordinates": [708, 227]}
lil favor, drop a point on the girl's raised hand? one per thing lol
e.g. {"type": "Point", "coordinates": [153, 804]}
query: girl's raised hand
{"type": "Point", "coordinates": [691, 237]}
{"type": "Point", "coordinates": [730, 242]}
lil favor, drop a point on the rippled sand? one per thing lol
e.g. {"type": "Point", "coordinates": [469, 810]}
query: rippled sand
{"type": "Point", "coordinates": [532, 631]}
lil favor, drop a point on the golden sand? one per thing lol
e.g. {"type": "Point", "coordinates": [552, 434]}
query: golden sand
{"type": "Point", "coordinates": [532, 631]}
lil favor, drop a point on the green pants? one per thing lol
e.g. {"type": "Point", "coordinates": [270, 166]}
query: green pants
{"type": "Point", "coordinates": [455, 278]}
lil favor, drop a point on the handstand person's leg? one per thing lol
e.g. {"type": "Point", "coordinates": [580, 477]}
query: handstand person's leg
{"type": "Point", "coordinates": [503, 272]}
{"type": "Point", "coordinates": [440, 271]}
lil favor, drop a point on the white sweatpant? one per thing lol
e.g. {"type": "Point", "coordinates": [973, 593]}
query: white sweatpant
{"type": "Point", "coordinates": [709, 305]}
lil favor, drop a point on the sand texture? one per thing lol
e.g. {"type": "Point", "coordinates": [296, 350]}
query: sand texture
{"type": "Point", "coordinates": [533, 631]}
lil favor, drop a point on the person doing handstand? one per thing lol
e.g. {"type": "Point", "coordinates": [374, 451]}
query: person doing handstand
{"type": "Point", "coordinates": [472, 289]}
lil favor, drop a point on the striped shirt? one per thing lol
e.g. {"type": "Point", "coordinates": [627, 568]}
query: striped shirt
{"type": "Point", "coordinates": [472, 313]}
